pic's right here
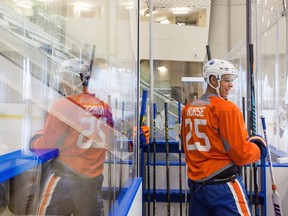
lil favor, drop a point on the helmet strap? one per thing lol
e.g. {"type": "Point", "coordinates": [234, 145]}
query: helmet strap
{"type": "Point", "coordinates": [216, 88]}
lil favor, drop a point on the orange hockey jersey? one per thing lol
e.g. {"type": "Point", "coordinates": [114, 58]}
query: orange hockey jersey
{"type": "Point", "coordinates": [214, 137]}
{"type": "Point", "coordinates": [81, 126]}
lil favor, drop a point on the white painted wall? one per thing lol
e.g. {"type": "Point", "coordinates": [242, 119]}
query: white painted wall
{"type": "Point", "coordinates": [171, 42]}
{"type": "Point", "coordinates": [175, 43]}
{"type": "Point", "coordinates": [228, 28]}
{"type": "Point", "coordinates": [218, 31]}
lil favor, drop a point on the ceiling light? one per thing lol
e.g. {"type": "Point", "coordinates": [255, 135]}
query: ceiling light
{"type": "Point", "coordinates": [82, 7]}
{"type": "Point", "coordinates": [45, 0]}
{"type": "Point", "coordinates": [24, 4]}
{"type": "Point", "coordinates": [162, 69]}
{"type": "Point", "coordinates": [180, 12]}
{"type": "Point", "coordinates": [164, 21]}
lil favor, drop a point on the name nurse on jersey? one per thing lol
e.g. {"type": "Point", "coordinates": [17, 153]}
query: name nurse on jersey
{"type": "Point", "coordinates": [95, 110]}
{"type": "Point", "coordinates": [196, 111]}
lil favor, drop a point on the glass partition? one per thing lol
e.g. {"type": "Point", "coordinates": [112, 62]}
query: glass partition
{"type": "Point", "coordinates": [272, 72]}
{"type": "Point", "coordinates": [48, 50]}
{"type": "Point", "coordinates": [239, 92]}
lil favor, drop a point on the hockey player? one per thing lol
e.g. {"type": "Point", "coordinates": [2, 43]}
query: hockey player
{"type": "Point", "coordinates": [216, 143]}
{"type": "Point", "coordinates": [73, 181]}
{"type": "Point", "coordinates": [81, 126]}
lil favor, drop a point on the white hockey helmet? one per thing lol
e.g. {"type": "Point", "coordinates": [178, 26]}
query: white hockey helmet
{"type": "Point", "coordinates": [218, 67]}
{"type": "Point", "coordinates": [75, 66]}
{"type": "Point", "coordinates": [73, 73]}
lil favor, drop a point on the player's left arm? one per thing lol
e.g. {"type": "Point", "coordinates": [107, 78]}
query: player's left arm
{"type": "Point", "coordinates": [234, 135]}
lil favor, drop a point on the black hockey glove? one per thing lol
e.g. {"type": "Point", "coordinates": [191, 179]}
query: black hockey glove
{"type": "Point", "coordinates": [260, 142]}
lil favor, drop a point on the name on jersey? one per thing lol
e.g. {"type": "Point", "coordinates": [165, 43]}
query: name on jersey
{"type": "Point", "coordinates": [95, 110]}
{"type": "Point", "coordinates": [196, 111]}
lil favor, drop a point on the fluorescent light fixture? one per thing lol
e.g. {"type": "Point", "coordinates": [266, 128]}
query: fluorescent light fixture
{"type": "Point", "coordinates": [45, 0]}
{"type": "Point", "coordinates": [24, 4]}
{"type": "Point", "coordinates": [180, 12]}
{"type": "Point", "coordinates": [82, 7]}
{"type": "Point", "coordinates": [162, 69]}
{"type": "Point", "coordinates": [164, 21]}
{"type": "Point", "coordinates": [192, 79]}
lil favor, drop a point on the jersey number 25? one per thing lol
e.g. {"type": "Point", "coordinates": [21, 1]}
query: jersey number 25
{"type": "Point", "coordinates": [196, 145]}
{"type": "Point", "coordinates": [94, 125]}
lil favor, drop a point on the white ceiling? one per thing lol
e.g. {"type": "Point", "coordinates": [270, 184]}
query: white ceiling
{"type": "Point", "coordinates": [162, 9]}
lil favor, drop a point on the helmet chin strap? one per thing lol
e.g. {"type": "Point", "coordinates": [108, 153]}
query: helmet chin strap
{"type": "Point", "coordinates": [216, 88]}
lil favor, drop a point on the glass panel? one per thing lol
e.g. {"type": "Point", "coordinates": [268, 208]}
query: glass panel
{"type": "Point", "coordinates": [168, 86]}
{"type": "Point", "coordinates": [45, 56]}
{"type": "Point", "coordinates": [272, 74]}
{"type": "Point", "coordinates": [176, 12]}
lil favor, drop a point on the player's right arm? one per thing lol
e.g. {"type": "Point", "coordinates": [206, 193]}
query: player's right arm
{"type": "Point", "coordinates": [48, 136]}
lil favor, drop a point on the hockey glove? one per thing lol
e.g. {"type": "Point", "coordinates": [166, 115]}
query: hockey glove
{"type": "Point", "coordinates": [144, 135]}
{"type": "Point", "coordinates": [260, 142]}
